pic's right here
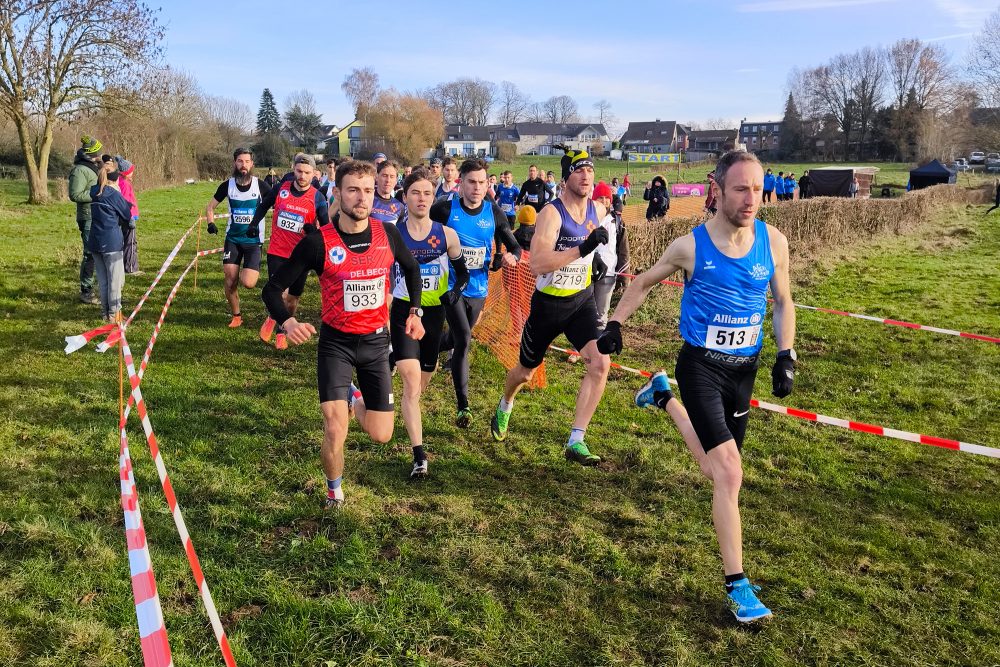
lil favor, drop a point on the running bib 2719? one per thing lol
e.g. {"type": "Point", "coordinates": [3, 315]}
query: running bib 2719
{"type": "Point", "coordinates": [571, 276]}
{"type": "Point", "coordinates": [364, 294]}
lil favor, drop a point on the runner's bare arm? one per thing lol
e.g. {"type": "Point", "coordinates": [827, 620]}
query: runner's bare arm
{"type": "Point", "coordinates": [679, 255]}
{"type": "Point", "coordinates": [784, 309]}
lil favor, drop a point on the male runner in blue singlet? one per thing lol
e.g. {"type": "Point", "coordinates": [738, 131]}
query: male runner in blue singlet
{"type": "Point", "coordinates": [728, 262]}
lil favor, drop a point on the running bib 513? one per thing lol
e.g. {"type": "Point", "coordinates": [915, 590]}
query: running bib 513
{"type": "Point", "coordinates": [475, 258]}
{"type": "Point", "coordinates": [364, 294]}
{"type": "Point", "coordinates": [731, 338]}
{"type": "Point", "coordinates": [290, 222]}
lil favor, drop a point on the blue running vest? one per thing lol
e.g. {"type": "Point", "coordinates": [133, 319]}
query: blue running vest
{"type": "Point", "coordinates": [725, 299]}
{"type": "Point", "coordinates": [475, 233]}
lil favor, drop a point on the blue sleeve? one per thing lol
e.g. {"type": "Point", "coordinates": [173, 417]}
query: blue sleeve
{"type": "Point", "coordinates": [322, 210]}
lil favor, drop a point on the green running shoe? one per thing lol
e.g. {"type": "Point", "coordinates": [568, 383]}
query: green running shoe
{"type": "Point", "coordinates": [464, 418]}
{"type": "Point", "coordinates": [578, 453]}
{"type": "Point", "coordinates": [498, 426]}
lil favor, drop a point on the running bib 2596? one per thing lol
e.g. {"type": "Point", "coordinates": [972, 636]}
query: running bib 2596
{"type": "Point", "coordinates": [290, 222]}
{"type": "Point", "coordinates": [364, 294]}
{"type": "Point", "coordinates": [731, 338]}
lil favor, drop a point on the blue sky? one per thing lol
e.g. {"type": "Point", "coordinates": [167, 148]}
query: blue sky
{"type": "Point", "coordinates": [684, 61]}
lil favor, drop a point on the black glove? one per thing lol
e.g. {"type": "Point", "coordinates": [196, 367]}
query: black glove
{"type": "Point", "coordinates": [782, 376]}
{"type": "Point", "coordinates": [600, 269]}
{"type": "Point", "coordinates": [253, 231]}
{"type": "Point", "coordinates": [212, 229]}
{"type": "Point", "coordinates": [597, 237]}
{"type": "Point", "coordinates": [497, 262]}
{"type": "Point", "coordinates": [610, 341]}
{"type": "Point", "coordinates": [452, 296]}
{"type": "Point", "coordinates": [309, 228]}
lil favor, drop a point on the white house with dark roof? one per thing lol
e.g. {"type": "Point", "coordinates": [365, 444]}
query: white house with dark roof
{"type": "Point", "coordinates": [658, 136]}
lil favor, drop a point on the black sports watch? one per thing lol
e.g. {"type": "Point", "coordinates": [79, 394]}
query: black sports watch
{"type": "Point", "coordinates": [417, 310]}
{"type": "Point", "coordinates": [790, 352]}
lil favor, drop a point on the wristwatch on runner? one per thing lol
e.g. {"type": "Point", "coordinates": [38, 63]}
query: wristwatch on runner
{"type": "Point", "coordinates": [790, 352]}
{"type": "Point", "coordinates": [419, 312]}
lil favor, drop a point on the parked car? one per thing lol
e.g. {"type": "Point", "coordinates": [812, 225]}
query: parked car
{"type": "Point", "coordinates": [960, 164]}
{"type": "Point", "coordinates": [977, 157]}
{"type": "Point", "coordinates": [993, 162]}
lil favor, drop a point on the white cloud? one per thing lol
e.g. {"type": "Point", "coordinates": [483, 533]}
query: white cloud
{"type": "Point", "coordinates": [803, 5]}
{"type": "Point", "coordinates": [965, 14]}
{"type": "Point", "coordinates": [958, 35]}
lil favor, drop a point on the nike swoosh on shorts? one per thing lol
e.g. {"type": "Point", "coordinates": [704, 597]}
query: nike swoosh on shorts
{"type": "Point", "coordinates": [740, 414]}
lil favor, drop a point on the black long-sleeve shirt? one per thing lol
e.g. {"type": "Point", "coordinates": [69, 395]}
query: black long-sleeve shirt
{"type": "Point", "coordinates": [310, 254]}
{"type": "Point", "coordinates": [535, 192]}
{"type": "Point", "coordinates": [502, 234]}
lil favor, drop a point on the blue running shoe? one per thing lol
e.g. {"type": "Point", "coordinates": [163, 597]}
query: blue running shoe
{"type": "Point", "coordinates": [659, 382]}
{"type": "Point", "coordinates": [744, 604]}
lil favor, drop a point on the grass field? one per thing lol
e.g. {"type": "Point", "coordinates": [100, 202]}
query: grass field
{"type": "Point", "coordinates": [870, 551]}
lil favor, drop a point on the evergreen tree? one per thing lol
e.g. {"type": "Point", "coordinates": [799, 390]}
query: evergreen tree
{"type": "Point", "coordinates": [792, 132]}
{"type": "Point", "coordinates": [268, 118]}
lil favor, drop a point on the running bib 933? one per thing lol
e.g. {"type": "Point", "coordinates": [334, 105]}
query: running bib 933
{"type": "Point", "coordinates": [475, 258]}
{"type": "Point", "coordinates": [731, 338]}
{"type": "Point", "coordinates": [290, 222]}
{"type": "Point", "coordinates": [364, 294]}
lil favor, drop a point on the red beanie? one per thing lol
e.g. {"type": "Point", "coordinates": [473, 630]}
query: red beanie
{"type": "Point", "coordinates": [602, 189]}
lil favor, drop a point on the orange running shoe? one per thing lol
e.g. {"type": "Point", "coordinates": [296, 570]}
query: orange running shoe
{"type": "Point", "coordinates": [237, 321]}
{"type": "Point", "coordinates": [280, 342]}
{"type": "Point", "coordinates": [267, 329]}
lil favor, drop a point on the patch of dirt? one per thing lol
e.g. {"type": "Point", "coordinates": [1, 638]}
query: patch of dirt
{"type": "Point", "coordinates": [241, 614]}
{"type": "Point", "coordinates": [361, 595]}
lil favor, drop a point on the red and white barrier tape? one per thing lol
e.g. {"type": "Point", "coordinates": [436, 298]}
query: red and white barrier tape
{"type": "Point", "coordinates": [168, 492]}
{"type": "Point", "coordinates": [870, 318]}
{"type": "Point", "coordinates": [74, 343]}
{"type": "Point", "coordinates": [884, 431]}
{"type": "Point", "coordinates": [148, 612]}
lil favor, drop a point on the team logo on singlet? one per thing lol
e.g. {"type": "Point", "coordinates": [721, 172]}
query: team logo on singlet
{"type": "Point", "coordinates": [284, 193]}
{"type": "Point", "coordinates": [337, 255]}
{"type": "Point", "coordinates": [759, 272]}
{"type": "Point", "coordinates": [755, 318]}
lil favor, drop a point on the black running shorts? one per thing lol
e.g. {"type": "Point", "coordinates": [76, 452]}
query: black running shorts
{"type": "Point", "coordinates": [274, 264]}
{"type": "Point", "coordinates": [247, 254]}
{"type": "Point", "coordinates": [341, 354]}
{"type": "Point", "coordinates": [716, 394]}
{"type": "Point", "coordinates": [575, 316]}
{"type": "Point", "coordinates": [427, 348]}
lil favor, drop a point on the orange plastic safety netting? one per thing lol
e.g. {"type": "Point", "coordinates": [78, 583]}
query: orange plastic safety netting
{"type": "Point", "coordinates": [508, 302]}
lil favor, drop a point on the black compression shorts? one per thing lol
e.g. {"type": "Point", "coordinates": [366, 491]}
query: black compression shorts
{"type": "Point", "coordinates": [575, 316]}
{"type": "Point", "coordinates": [425, 349]}
{"type": "Point", "coordinates": [716, 395]}
{"type": "Point", "coordinates": [341, 354]}
{"type": "Point", "coordinates": [247, 254]}
{"type": "Point", "coordinates": [274, 264]}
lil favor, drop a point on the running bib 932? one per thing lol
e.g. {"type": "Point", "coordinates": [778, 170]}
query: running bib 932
{"type": "Point", "coordinates": [364, 294]}
{"type": "Point", "coordinates": [475, 258]}
{"type": "Point", "coordinates": [290, 222]}
{"type": "Point", "coordinates": [731, 338]}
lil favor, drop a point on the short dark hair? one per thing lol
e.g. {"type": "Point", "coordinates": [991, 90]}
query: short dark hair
{"type": "Point", "coordinates": [330, 161]}
{"type": "Point", "coordinates": [727, 161]}
{"type": "Point", "coordinates": [471, 165]}
{"type": "Point", "coordinates": [445, 162]}
{"type": "Point", "coordinates": [418, 174]}
{"type": "Point", "coordinates": [242, 151]}
{"type": "Point", "coordinates": [388, 163]}
{"type": "Point", "coordinates": [353, 168]}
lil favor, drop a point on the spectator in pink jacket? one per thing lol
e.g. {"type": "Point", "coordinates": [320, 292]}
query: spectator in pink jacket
{"type": "Point", "coordinates": [127, 169]}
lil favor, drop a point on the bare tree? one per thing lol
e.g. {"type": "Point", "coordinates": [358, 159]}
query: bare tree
{"type": "Point", "coordinates": [560, 109]}
{"type": "Point", "coordinates": [361, 88]}
{"type": "Point", "coordinates": [232, 120]}
{"type": "Point", "coordinates": [464, 101]}
{"type": "Point", "coordinates": [302, 118]}
{"type": "Point", "coordinates": [719, 124]}
{"type": "Point", "coordinates": [535, 113]}
{"type": "Point", "coordinates": [984, 61]}
{"type": "Point", "coordinates": [303, 99]}
{"type": "Point", "coordinates": [924, 68]}
{"type": "Point", "coordinates": [512, 104]}
{"type": "Point", "coordinates": [604, 115]}
{"type": "Point", "coordinates": [57, 60]}
{"type": "Point", "coordinates": [868, 89]}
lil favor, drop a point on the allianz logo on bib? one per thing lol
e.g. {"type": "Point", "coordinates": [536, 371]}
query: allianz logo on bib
{"type": "Point", "coordinates": [337, 255]}
{"type": "Point", "coordinates": [759, 272]}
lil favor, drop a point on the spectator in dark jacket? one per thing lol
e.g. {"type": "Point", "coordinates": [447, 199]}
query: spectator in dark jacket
{"type": "Point", "coordinates": [109, 212]}
{"type": "Point", "coordinates": [81, 179]}
{"type": "Point", "coordinates": [804, 184]}
{"type": "Point", "coordinates": [658, 197]}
